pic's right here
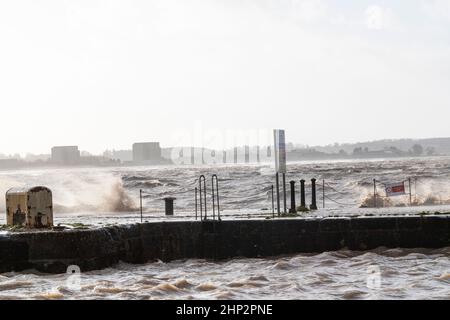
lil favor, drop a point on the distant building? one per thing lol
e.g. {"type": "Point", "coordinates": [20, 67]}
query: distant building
{"type": "Point", "coordinates": [66, 155]}
{"type": "Point", "coordinates": [147, 152]}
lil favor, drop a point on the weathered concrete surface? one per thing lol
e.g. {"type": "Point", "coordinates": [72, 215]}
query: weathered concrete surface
{"type": "Point", "coordinates": [138, 243]}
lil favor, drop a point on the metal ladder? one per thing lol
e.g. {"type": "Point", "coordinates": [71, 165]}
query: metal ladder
{"type": "Point", "coordinates": [200, 198]}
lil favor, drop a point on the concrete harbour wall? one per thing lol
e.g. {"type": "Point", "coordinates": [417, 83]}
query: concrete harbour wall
{"type": "Point", "coordinates": [54, 251]}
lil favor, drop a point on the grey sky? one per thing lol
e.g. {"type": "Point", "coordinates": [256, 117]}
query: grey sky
{"type": "Point", "coordinates": [104, 74]}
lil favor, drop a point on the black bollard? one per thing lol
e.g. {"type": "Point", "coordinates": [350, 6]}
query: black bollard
{"type": "Point", "coordinates": [302, 194]}
{"type": "Point", "coordinates": [313, 195]}
{"type": "Point", "coordinates": [169, 205]}
{"type": "Point", "coordinates": [293, 208]}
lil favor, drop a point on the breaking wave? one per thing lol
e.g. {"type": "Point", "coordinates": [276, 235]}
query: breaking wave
{"type": "Point", "coordinates": [118, 200]}
{"type": "Point", "coordinates": [78, 190]}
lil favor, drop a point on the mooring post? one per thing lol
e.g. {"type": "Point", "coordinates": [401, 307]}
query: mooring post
{"type": "Point", "coordinates": [313, 195]}
{"type": "Point", "coordinates": [302, 194]}
{"type": "Point", "coordinates": [140, 201]}
{"type": "Point", "coordinates": [293, 208]}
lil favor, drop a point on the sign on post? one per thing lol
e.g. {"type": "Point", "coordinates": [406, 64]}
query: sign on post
{"type": "Point", "coordinates": [395, 189]}
{"type": "Point", "coordinates": [280, 151]}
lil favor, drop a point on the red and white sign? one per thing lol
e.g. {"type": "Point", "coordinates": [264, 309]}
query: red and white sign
{"type": "Point", "coordinates": [395, 189]}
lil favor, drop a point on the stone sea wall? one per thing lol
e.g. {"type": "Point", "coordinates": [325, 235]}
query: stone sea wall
{"type": "Point", "coordinates": [91, 249]}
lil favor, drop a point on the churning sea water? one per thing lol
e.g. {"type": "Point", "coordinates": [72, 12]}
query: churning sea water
{"type": "Point", "coordinates": [100, 196]}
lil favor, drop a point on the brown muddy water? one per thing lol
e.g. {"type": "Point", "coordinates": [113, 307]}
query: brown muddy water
{"type": "Point", "coordinates": [379, 274]}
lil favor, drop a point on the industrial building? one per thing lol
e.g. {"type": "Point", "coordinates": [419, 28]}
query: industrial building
{"type": "Point", "coordinates": [66, 155]}
{"type": "Point", "coordinates": [147, 152]}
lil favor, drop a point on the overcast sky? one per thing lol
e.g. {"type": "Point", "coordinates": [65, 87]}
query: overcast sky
{"type": "Point", "coordinates": [104, 74]}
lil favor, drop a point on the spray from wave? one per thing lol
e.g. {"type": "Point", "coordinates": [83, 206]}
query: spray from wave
{"type": "Point", "coordinates": [381, 202]}
{"type": "Point", "coordinates": [117, 200]}
{"type": "Point", "coordinates": [76, 190]}
{"type": "Point", "coordinates": [111, 198]}
{"type": "Point", "coordinates": [427, 194]}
